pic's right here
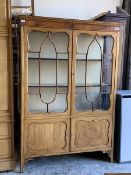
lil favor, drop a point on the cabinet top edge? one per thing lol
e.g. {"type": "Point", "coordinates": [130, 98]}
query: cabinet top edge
{"type": "Point", "coordinates": [67, 23]}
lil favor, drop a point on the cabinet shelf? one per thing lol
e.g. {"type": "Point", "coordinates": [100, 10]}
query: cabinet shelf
{"type": "Point", "coordinates": [51, 59]}
{"type": "Point", "coordinates": [84, 59]}
{"type": "Point", "coordinates": [94, 85]}
{"type": "Point", "coordinates": [62, 85]}
{"type": "Point", "coordinates": [46, 85]}
{"type": "Point", "coordinates": [61, 59]}
{"type": "Point", "coordinates": [104, 54]}
{"type": "Point", "coordinates": [88, 59]}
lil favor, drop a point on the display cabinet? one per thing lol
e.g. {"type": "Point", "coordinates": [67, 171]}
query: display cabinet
{"type": "Point", "coordinates": [7, 160]}
{"type": "Point", "coordinates": [68, 72]}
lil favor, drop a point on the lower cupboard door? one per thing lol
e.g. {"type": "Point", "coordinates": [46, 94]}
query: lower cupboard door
{"type": "Point", "coordinates": [47, 137]}
{"type": "Point", "coordinates": [90, 134]}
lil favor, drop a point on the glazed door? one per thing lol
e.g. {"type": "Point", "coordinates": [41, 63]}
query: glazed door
{"type": "Point", "coordinates": [93, 71]}
{"type": "Point", "coordinates": [48, 71]}
{"type": "Point", "coordinates": [93, 75]}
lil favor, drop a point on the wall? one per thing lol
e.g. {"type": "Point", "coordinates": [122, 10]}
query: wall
{"type": "Point", "coordinates": [78, 9]}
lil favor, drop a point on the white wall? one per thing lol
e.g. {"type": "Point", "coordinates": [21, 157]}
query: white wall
{"type": "Point", "coordinates": [78, 9]}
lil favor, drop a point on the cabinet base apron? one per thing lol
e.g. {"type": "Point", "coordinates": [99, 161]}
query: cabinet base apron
{"type": "Point", "coordinates": [23, 162]}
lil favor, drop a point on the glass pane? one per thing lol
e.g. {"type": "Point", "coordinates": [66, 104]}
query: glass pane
{"type": "Point", "coordinates": [93, 72]}
{"type": "Point", "coordinates": [48, 71]}
{"type": "Point", "coordinates": [107, 59]}
{"type": "Point", "coordinates": [92, 69]}
{"type": "Point", "coordinates": [84, 41]}
{"type": "Point", "coordinates": [36, 105]}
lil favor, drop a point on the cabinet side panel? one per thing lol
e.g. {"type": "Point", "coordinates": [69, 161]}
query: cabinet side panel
{"type": "Point", "coordinates": [3, 13]}
{"type": "Point", "coordinates": [3, 75]}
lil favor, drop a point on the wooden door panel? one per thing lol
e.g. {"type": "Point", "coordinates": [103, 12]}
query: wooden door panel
{"type": "Point", "coordinates": [5, 148]}
{"type": "Point", "coordinates": [3, 15]}
{"type": "Point", "coordinates": [47, 137]}
{"type": "Point", "coordinates": [89, 134]}
{"type": "Point", "coordinates": [3, 74]}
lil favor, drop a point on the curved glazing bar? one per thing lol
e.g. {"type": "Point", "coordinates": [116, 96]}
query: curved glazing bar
{"type": "Point", "coordinates": [53, 99]}
{"type": "Point", "coordinates": [86, 93]}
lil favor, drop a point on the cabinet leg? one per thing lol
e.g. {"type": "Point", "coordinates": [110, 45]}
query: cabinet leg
{"type": "Point", "coordinates": [110, 154]}
{"type": "Point", "coordinates": [112, 159]}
